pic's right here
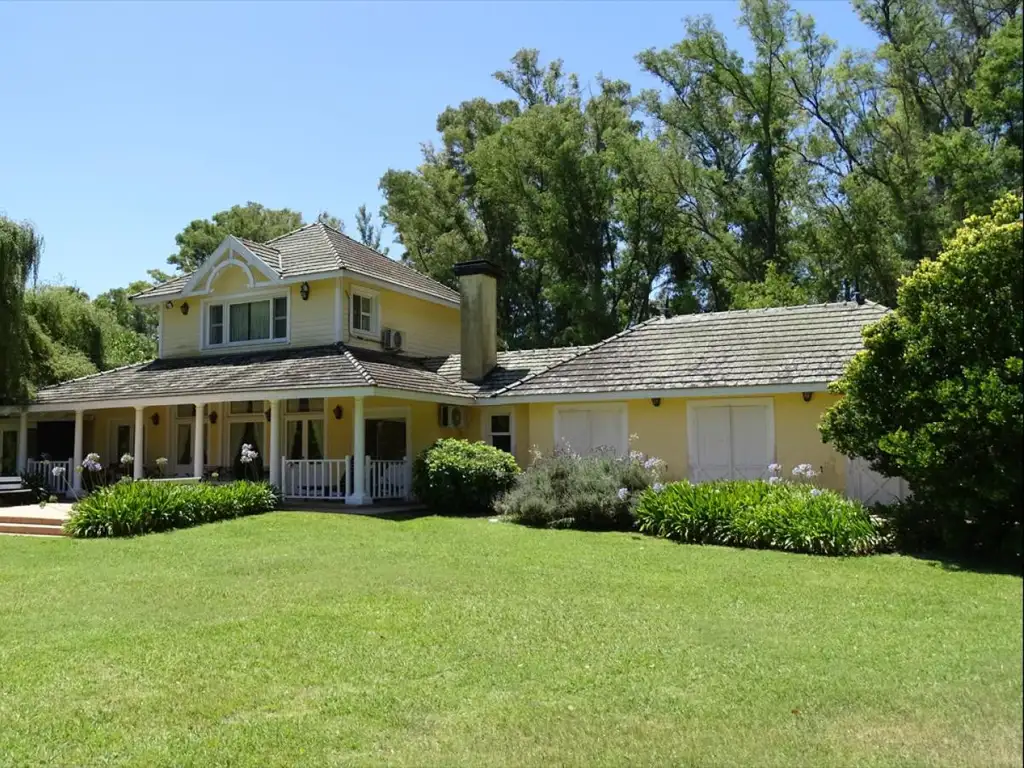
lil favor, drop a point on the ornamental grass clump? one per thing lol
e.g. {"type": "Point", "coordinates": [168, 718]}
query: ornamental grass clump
{"type": "Point", "coordinates": [773, 514]}
{"type": "Point", "coordinates": [132, 508]}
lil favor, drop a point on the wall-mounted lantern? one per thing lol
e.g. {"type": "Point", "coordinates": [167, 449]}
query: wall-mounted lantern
{"type": "Point", "coordinates": [169, 304]}
{"type": "Point", "coordinates": [155, 418]}
{"type": "Point", "coordinates": [338, 412]}
{"type": "Point", "coordinates": [655, 401]}
{"type": "Point", "coordinates": [213, 417]}
{"type": "Point", "coordinates": [267, 414]}
{"type": "Point", "coordinates": [304, 291]}
{"type": "Point", "coordinates": [184, 308]}
{"type": "Point", "coordinates": [807, 396]}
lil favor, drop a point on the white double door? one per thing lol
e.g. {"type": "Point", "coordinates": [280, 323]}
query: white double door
{"type": "Point", "coordinates": [730, 441]}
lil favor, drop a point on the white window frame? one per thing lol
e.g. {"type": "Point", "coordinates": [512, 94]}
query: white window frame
{"type": "Point", "coordinates": [359, 292]}
{"type": "Point", "coordinates": [691, 421]}
{"type": "Point", "coordinates": [243, 298]}
{"type": "Point", "coordinates": [619, 407]}
{"type": "Point", "coordinates": [510, 412]}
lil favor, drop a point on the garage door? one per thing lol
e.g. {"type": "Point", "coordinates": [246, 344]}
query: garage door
{"type": "Point", "coordinates": [587, 430]}
{"type": "Point", "coordinates": [730, 441]}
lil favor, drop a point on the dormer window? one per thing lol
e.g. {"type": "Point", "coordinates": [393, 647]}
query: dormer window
{"type": "Point", "coordinates": [364, 313]}
{"type": "Point", "coordinates": [247, 322]}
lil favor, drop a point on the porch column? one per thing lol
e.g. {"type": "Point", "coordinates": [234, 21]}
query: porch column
{"type": "Point", "coordinates": [23, 442]}
{"type": "Point", "coordinates": [359, 458]}
{"type": "Point", "coordinates": [274, 449]}
{"type": "Point", "coordinates": [77, 457]}
{"type": "Point", "coordinates": [140, 445]}
{"type": "Point", "coordinates": [198, 465]}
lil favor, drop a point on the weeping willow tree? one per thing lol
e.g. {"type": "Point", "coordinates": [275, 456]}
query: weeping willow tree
{"type": "Point", "coordinates": [20, 250]}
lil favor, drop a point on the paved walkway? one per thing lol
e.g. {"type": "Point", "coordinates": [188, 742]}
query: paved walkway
{"type": "Point", "coordinates": [54, 511]}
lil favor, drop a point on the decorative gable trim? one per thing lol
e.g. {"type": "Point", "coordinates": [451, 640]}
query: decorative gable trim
{"type": "Point", "coordinates": [200, 281]}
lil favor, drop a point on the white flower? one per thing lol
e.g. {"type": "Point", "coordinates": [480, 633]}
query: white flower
{"type": "Point", "coordinates": [816, 491]}
{"type": "Point", "coordinates": [58, 471]}
{"type": "Point", "coordinates": [774, 479]}
{"type": "Point", "coordinates": [657, 487]}
{"type": "Point", "coordinates": [215, 475]}
{"type": "Point", "coordinates": [161, 461]}
{"type": "Point", "coordinates": [127, 458]}
{"type": "Point", "coordinates": [775, 468]}
{"type": "Point", "coordinates": [623, 494]}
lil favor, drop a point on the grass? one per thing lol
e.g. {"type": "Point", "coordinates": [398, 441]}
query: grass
{"type": "Point", "coordinates": [313, 639]}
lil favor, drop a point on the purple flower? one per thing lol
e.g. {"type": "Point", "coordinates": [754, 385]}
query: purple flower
{"type": "Point", "coordinates": [816, 491]}
{"type": "Point", "coordinates": [623, 494]}
{"type": "Point", "coordinates": [775, 468]}
{"type": "Point", "coordinates": [657, 487]}
{"type": "Point", "coordinates": [653, 463]}
{"type": "Point", "coordinates": [774, 479]}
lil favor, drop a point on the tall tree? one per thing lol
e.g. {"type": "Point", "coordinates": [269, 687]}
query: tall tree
{"type": "Point", "coordinates": [369, 233]}
{"type": "Point", "coordinates": [20, 251]}
{"type": "Point", "coordinates": [251, 221]}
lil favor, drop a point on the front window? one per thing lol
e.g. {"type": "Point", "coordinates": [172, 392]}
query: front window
{"type": "Point", "coordinates": [363, 313]}
{"type": "Point", "coordinates": [247, 321]}
{"type": "Point", "coordinates": [501, 431]}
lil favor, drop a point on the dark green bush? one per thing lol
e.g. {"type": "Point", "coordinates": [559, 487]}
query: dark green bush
{"type": "Point", "coordinates": [589, 492]}
{"type": "Point", "coordinates": [457, 477]}
{"type": "Point", "coordinates": [936, 396]}
{"type": "Point", "coordinates": [131, 508]}
{"type": "Point", "coordinates": [753, 513]}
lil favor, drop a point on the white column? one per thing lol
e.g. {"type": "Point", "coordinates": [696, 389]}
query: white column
{"type": "Point", "coordinates": [198, 466]}
{"type": "Point", "coordinates": [274, 449]}
{"type": "Point", "coordinates": [23, 442]}
{"type": "Point", "coordinates": [78, 455]}
{"type": "Point", "coordinates": [359, 459]}
{"type": "Point", "coordinates": [140, 446]}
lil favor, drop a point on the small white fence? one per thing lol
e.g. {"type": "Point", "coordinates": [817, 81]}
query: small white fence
{"type": "Point", "coordinates": [329, 478]}
{"type": "Point", "coordinates": [59, 483]}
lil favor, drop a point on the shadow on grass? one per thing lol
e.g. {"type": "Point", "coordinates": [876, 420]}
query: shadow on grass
{"type": "Point", "coordinates": [954, 563]}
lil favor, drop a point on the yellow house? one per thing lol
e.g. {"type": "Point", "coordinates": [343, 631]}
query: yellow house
{"type": "Point", "coordinates": [337, 365]}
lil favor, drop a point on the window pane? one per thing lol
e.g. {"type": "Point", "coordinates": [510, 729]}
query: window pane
{"type": "Point", "coordinates": [245, 406]}
{"type": "Point", "coordinates": [306, 405]}
{"type": "Point", "coordinates": [185, 411]}
{"type": "Point", "coordinates": [504, 442]}
{"type": "Point", "coordinates": [183, 449]}
{"type": "Point", "coordinates": [124, 441]}
{"type": "Point", "coordinates": [280, 317]}
{"type": "Point", "coordinates": [239, 316]}
{"type": "Point", "coordinates": [259, 320]}
{"type": "Point", "coordinates": [294, 436]}
{"type": "Point", "coordinates": [500, 424]}
{"type": "Point", "coordinates": [316, 439]}
{"type": "Point", "coordinates": [215, 330]}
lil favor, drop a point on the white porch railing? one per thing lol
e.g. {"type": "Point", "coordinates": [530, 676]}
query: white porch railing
{"type": "Point", "coordinates": [329, 478]}
{"type": "Point", "coordinates": [315, 479]}
{"type": "Point", "coordinates": [388, 479]}
{"type": "Point", "coordinates": [60, 483]}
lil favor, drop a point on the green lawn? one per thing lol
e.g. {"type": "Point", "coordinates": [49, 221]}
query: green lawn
{"type": "Point", "coordinates": [314, 639]}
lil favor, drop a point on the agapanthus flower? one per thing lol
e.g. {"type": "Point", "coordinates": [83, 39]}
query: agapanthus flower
{"type": "Point", "coordinates": [816, 491]}
{"type": "Point", "coordinates": [653, 463]}
{"type": "Point", "coordinates": [161, 461]}
{"type": "Point", "coordinates": [58, 471]}
{"type": "Point", "coordinates": [127, 458]}
{"type": "Point", "coordinates": [658, 487]}
{"type": "Point", "coordinates": [623, 494]}
{"type": "Point", "coordinates": [774, 479]}
{"type": "Point", "coordinates": [248, 454]}
{"type": "Point", "coordinates": [775, 468]}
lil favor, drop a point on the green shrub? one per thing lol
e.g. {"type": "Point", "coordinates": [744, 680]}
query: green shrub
{"type": "Point", "coordinates": [936, 396]}
{"type": "Point", "coordinates": [589, 492]}
{"type": "Point", "coordinates": [753, 513]}
{"type": "Point", "coordinates": [131, 508]}
{"type": "Point", "coordinates": [457, 477]}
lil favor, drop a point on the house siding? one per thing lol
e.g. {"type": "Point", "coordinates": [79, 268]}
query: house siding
{"type": "Point", "coordinates": [428, 329]}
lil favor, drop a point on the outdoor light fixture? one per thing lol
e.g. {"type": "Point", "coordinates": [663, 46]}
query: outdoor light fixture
{"type": "Point", "coordinates": [169, 304]}
{"type": "Point", "coordinates": [213, 417]}
{"type": "Point", "coordinates": [338, 411]}
{"type": "Point", "coordinates": [304, 291]}
{"type": "Point", "coordinates": [655, 401]}
{"type": "Point", "coordinates": [184, 308]}
{"type": "Point", "coordinates": [155, 418]}
{"type": "Point", "coordinates": [807, 396]}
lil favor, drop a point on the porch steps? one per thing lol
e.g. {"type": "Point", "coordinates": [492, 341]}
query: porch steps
{"type": "Point", "coordinates": [31, 526]}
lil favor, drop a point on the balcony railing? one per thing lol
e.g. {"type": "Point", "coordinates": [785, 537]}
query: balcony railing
{"type": "Point", "coordinates": [59, 483]}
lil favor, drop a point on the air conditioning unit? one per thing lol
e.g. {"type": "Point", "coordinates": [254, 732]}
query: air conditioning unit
{"type": "Point", "coordinates": [451, 416]}
{"type": "Point", "coordinates": [391, 339]}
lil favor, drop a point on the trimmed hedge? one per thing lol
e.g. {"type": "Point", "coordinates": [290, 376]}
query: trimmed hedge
{"type": "Point", "coordinates": [753, 513]}
{"type": "Point", "coordinates": [457, 477]}
{"type": "Point", "coordinates": [587, 492]}
{"type": "Point", "coordinates": [132, 508]}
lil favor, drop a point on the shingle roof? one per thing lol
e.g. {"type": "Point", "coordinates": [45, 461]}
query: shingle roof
{"type": "Point", "coordinates": [511, 367]}
{"type": "Point", "coordinates": [317, 248]}
{"type": "Point", "coordinates": [790, 345]}
{"type": "Point", "coordinates": [409, 373]}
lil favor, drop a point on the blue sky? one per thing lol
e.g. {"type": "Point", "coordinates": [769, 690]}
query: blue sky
{"type": "Point", "coordinates": [126, 121]}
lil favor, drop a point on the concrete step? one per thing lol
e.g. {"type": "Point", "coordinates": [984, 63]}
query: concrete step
{"type": "Point", "coordinates": [35, 528]}
{"type": "Point", "coordinates": [31, 519]}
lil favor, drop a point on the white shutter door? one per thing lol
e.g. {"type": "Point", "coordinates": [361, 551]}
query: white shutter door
{"type": "Point", "coordinates": [713, 454]}
{"type": "Point", "coordinates": [751, 453]}
{"type": "Point", "coordinates": [606, 431]}
{"type": "Point", "coordinates": [574, 431]}
{"type": "Point", "coordinates": [866, 485]}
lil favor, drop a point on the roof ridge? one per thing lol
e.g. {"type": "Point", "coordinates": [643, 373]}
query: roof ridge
{"type": "Point", "coordinates": [581, 353]}
{"type": "Point", "coordinates": [358, 365]}
{"type": "Point", "coordinates": [98, 373]}
{"type": "Point", "coordinates": [290, 232]}
{"type": "Point", "coordinates": [765, 310]}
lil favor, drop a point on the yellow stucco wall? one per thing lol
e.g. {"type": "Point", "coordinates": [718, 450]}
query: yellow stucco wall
{"type": "Point", "coordinates": [479, 421]}
{"type": "Point", "coordinates": [662, 432]}
{"type": "Point", "coordinates": [428, 328]}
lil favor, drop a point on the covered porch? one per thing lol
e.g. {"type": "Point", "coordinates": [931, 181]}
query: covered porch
{"type": "Point", "coordinates": [345, 447]}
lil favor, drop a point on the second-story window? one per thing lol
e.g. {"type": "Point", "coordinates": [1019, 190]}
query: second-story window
{"type": "Point", "coordinates": [364, 316]}
{"type": "Point", "coordinates": [247, 321]}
